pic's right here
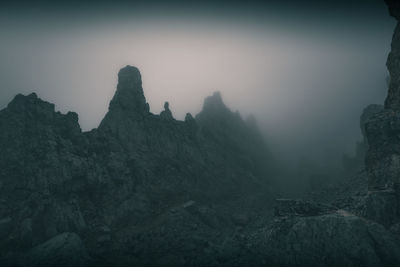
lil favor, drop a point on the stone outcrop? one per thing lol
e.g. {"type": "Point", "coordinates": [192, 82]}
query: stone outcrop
{"type": "Point", "coordinates": [357, 162]}
{"type": "Point", "coordinates": [105, 184]}
{"type": "Point", "coordinates": [149, 190]}
{"type": "Point", "coordinates": [65, 249]}
{"type": "Point", "coordinates": [304, 234]}
{"type": "Point", "coordinates": [393, 98]}
{"type": "Point", "coordinates": [382, 131]}
{"type": "Point", "coordinates": [297, 207]}
{"type": "Point", "coordinates": [166, 113]}
{"type": "Point", "coordinates": [335, 239]}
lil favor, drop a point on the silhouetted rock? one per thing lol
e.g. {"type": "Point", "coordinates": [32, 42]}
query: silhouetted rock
{"type": "Point", "coordinates": [128, 172]}
{"type": "Point", "coordinates": [382, 130]}
{"type": "Point", "coordinates": [166, 113]}
{"type": "Point", "coordinates": [357, 162]}
{"type": "Point", "coordinates": [381, 206]}
{"type": "Point", "coordinates": [393, 99]}
{"type": "Point", "coordinates": [65, 249]}
{"type": "Point", "coordinates": [366, 115]}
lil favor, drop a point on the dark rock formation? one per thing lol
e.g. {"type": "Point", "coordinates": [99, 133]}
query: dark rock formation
{"type": "Point", "coordinates": [65, 249]}
{"type": "Point", "coordinates": [336, 239]}
{"type": "Point", "coordinates": [148, 190]}
{"type": "Point", "coordinates": [357, 162]}
{"type": "Point", "coordinates": [305, 235]}
{"type": "Point", "coordinates": [292, 207]}
{"type": "Point", "coordinates": [382, 130]}
{"type": "Point", "coordinates": [393, 99]}
{"type": "Point", "coordinates": [166, 113]}
{"type": "Point", "coordinates": [366, 115]}
{"type": "Point", "coordinates": [109, 185]}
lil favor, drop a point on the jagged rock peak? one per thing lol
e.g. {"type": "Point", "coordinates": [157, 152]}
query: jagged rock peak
{"type": "Point", "coordinates": [189, 117]}
{"type": "Point", "coordinates": [393, 98]}
{"type": "Point", "coordinates": [166, 113]}
{"type": "Point", "coordinates": [214, 103]}
{"type": "Point", "coordinates": [251, 121]}
{"type": "Point", "coordinates": [189, 120]}
{"type": "Point", "coordinates": [31, 103]}
{"type": "Point", "coordinates": [21, 99]}
{"type": "Point", "coordinates": [34, 113]}
{"type": "Point", "coordinates": [394, 8]}
{"type": "Point", "coordinates": [129, 75]}
{"type": "Point", "coordinates": [129, 96]}
{"type": "Point", "coordinates": [166, 106]}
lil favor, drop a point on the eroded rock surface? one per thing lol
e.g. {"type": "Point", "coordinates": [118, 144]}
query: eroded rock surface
{"type": "Point", "coordinates": [148, 190]}
{"type": "Point", "coordinates": [119, 180]}
{"type": "Point", "coordinates": [382, 130]}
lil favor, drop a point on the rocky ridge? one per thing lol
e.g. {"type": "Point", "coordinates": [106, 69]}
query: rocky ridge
{"type": "Point", "coordinates": [109, 185]}
{"type": "Point", "coordinates": [148, 190]}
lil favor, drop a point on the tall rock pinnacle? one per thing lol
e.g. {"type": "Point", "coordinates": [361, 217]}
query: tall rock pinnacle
{"type": "Point", "coordinates": [393, 99]}
{"type": "Point", "coordinates": [128, 101]}
{"type": "Point", "coordinates": [129, 96]}
{"type": "Point", "coordinates": [214, 106]}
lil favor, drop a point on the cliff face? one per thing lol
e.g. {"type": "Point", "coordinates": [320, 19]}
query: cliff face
{"type": "Point", "coordinates": [393, 99]}
{"type": "Point", "coordinates": [357, 162]}
{"type": "Point", "coordinates": [383, 130]}
{"type": "Point", "coordinates": [105, 184]}
{"type": "Point", "coordinates": [362, 228]}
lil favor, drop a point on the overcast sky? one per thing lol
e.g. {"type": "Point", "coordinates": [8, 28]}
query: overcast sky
{"type": "Point", "coordinates": [306, 70]}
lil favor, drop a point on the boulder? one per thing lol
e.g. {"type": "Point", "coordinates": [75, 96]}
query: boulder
{"type": "Point", "coordinates": [298, 207]}
{"type": "Point", "coordinates": [337, 239]}
{"type": "Point", "coordinates": [65, 250]}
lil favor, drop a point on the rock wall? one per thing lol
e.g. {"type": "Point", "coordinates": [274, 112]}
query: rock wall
{"type": "Point", "coordinates": [383, 131]}
{"type": "Point", "coordinates": [55, 179]}
{"type": "Point", "coordinates": [357, 162]}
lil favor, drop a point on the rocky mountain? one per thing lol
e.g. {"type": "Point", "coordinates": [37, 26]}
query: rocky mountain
{"type": "Point", "coordinates": [149, 190]}
{"type": "Point", "coordinates": [358, 224]}
{"type": "Point", "coordinates": [382, 129]}
{"type": "Point", "coordinates": [107, 184]}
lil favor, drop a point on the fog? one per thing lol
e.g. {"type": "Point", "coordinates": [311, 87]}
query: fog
{"type": "Point", "coordinates": [305, 72]}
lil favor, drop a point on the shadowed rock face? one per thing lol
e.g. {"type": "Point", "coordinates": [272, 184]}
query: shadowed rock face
{"type": "Point", "coordinates": [357, 162]}
{"type": "Point", "coordinates": [383, 131]}
{"type": "Point", "coordinates": [129, 97]}
{"type": "Point", "coordinates": [306, 234]}
{"type": "Point", "coordinates": [149, 190]}
{"type": "Point", "coordinates": [130, 171]}
{"type": "Point", "coordinates": [128, 103]}
{"type": "Point", "coordinates": [394, 8]}
{"type": "Point", "coordinates": [393, 99]}
{"type": "Point", "coordinates": [336, 239]}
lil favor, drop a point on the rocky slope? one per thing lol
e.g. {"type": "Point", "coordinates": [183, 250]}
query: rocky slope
{"type": "Point", "coordinates": [382, 129]}
{"type": "Point", "coordinates": [360, 226]}
{"type": "Point", "coordinates": [124, 178]}
{"type": "Point", "coordinates": [148, 190]}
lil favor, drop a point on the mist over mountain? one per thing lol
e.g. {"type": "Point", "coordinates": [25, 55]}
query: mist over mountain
{"type": "Point", "coordinates": [205, 133]}
{"type": "Point", "coordinates": [304, 70]}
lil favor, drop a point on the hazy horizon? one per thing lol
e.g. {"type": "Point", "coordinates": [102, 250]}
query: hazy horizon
{"type": "Point", "coordinates": [305, 71]}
